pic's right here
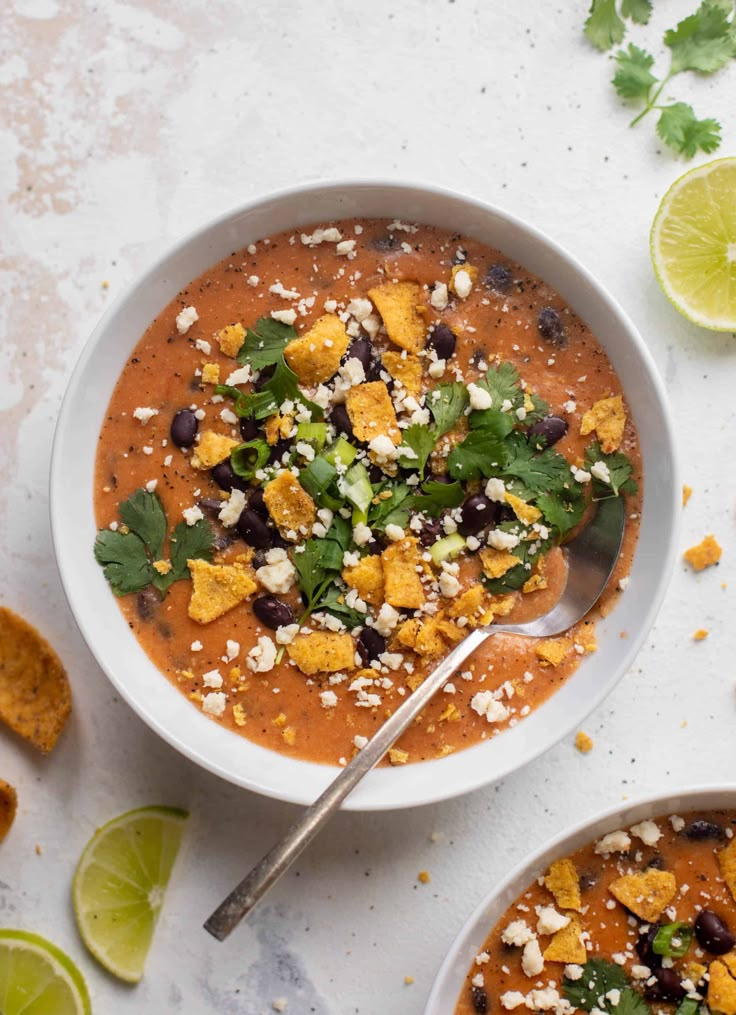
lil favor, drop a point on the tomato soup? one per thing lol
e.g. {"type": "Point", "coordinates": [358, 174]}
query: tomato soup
{"type": "Point", "coordinates": [639, 921]}
{"type": "Point", "coordinates": [336, 452]}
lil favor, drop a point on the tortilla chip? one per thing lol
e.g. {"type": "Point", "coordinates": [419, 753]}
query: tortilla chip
{"type": "Point", "coordinates": [322, 652]}
{"type": "Point", "coordinates": [469, 604]}
{"type": "Point", "coordinates": [552, 651]}
{"type": "Point", "coordinates": [406, 369]}
{"type": "Point", "coordinates": [647, 895]}
{"type": "Point", "coordinates": [371, 412]}
{"type": "Point", "coordinates": [704, 554]}
{"type": "Point", "coordinates": [526, 513]}
{"type": "Point", "coordinates": [608, 418]}
{"type": "Point", "coordinates": [217, 588]}
{"type": "Point", "coordinates": [231, 338]}
{"type": "Point", "coordinates": [35, 698]}
{"type": "Point", "coordinates": [430, 641]}
{"type": "Point", "coordinates": [397, 757]}
{"type": "Point", "coordinates": [278, 427]}
{"type": "Point", "coordinates": [583, 742]}
{"type": "Point", "coordinates": [727, 863]}
{"type": "Point", "coordinates": [403, 587]}
{"type": "Point", "coordinates": [315, 356]}
{"type": "Point", "coordinates": [721, 989]}
{"type": "Point", "coordinates": [211, 373]}
{"type": "Point", "coordinates": [8, 805]}
{"type": "Point", "coordinates": [290, 506]}
{"type": "Point", "coordinates": [563, 881]}
{"type": "Point", "coordinates": [534, 584]}
{"type": "Point", "coordinates": [566, 945]}
{"type": "Point", "coordinates": [367, 577]}
{"type": "Point", "coordinates": [729, 960]}
{"type": "Point", "coordinates": [497, 562]}
{"type": "Point", "coordinates": [687, 492]}
{"type": "Point", "coordinates": [212, 449]}
{"type": "Point", "coordinates": [400, 306]}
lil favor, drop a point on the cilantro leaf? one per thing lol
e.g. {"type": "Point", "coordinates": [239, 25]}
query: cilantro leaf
{"type": "Point", "coordinates": [447, 403]}
{"type": "Point", "coordinates": [604, 28]}
{"type": "Point", "coordinates": [392, 510]}
{"type": "Point", "coordinates": [143, 514]}
{"type": "Point", "coordinates": [482, 453]}
{"type": "Point", "coordinates": [619, 470]}
{"type": "Point", "coordinates": [630, 1003]}
{"type": "Point", "coordinates": [435, 497]}
{"type": "Point", "coordinates": [332, 603]}
{"type": "Point", "coordinates": [541, 471]}
{"type": "Point", "coordinates": [496, 423]}
{"type": "Point", "coordinates": [639, 11]}
{"type": "Point", "coordinates": [124, 561]}
{"type": "Point", "coordinates": [704, 41]}
{"type": "Point", "coordinates": [633, 78]}
{"type": "Point", "coordinates": [539, 411]}
{"type": "Point", "coordinates": [264, 345]}
{"type": "Point", "coordinates": [599, 976]}
{"type": "Point", "coordinates": [416, 447]}
{"type": "Point", "coordinates": [502, 383]}
{"type": "Point", "coordinates": [563, 510]}
{"type": "Point", "coordinates": [680, 129]}
{"type": "Point", "coordinates": [188, 542]}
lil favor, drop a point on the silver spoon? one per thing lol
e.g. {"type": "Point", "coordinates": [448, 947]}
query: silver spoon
{"type": "Point", "coordinates": [591, 557]}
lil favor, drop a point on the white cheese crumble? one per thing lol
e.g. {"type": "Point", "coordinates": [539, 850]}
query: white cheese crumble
{"type": "Point", "coordinates": [601, 471]}
{"type": "Point", "coordinates": [185, 319]}
{"type": "Point", "coordinates": [517, 933]}
{"type": "Point", "coordinates": [360, 741]}
{"type": "Point", "coordinates": [144, 413]}
{"type": "Point", "coordinates": [286, 634]}
{"type": "Point", "coordinates": [394, 533]}
{"type": "Point", "coordinates": [284, 316]}
{"type": "Point", "coordinates": [232, 649]}
{"type": "Point", "coordinates": [512, 999]}
{"type": "Point", "coordinates": [648, 832]}
{"type": "Point", "coordinates": [328, 699]}
{"type": "Point", "coordinates": [192, 515]}
{"type": "Point", "coordinates": [502, 540]}
{"type": "Point", "coordinates": [232, 509]}
{"type": "Point", "coordinates": [449, 585]}
{"type": "Point", "coordinates": [532, 962]}
{"type": "Point", "coordinates": [212, 679]}
{"type": "Point", "coordinates": [262, 656]}
{"type": "Point", "coordinates": [439, 298]}
{"type": "Point", "coordinates": [479, 398]}
{"type": "Point", "coordinates": [278, 573]}
{"type": "Point", "coordinates": [614, 842]}
{"type": "Point", "coordinates": [550, 921]}
{"type": "Point", "coordinates": [384, 449]}
{"type": "Point", "coordinates": [485, 704]}
{"type": "Point", "coordinates": [386, 620]}
{"type": "Point", "coordinates": [196, 646]}
{"type": "Point", "coordinates": [463, 284]}
{"type": "Point", "coordinates": [203, 346]}
{"type": "Point", "coordinates": [362, 534]}
{"type": "Point", "coordinates": [496, 491]}
{"type": "Point", "coordinates": [214, 703]}
{"type": "Point", "coordinates": [579, 475]}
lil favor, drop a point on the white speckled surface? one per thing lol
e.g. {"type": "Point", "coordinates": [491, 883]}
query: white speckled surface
{"type": "Point", "coordinates": [122, 125]}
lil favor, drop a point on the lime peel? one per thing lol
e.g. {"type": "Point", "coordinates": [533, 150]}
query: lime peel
{"type": "Point", "coordinates": [35, 971]}
{"type": "Point", "coordinates": [693, 245]}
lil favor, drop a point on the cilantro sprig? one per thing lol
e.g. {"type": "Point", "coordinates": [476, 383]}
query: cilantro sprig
{"type": "Point", "coordinates": [599, 978]}
{"type": "Point", "coordinates": [702, 43]}
{"type": "Point", "coordinates": [318, 566]}
{"type": "Point", "coordinates": [127, 558]}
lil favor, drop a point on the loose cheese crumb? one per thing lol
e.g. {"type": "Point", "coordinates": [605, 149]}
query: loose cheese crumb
{"type": "Point", "coordinates": [144, 413]}
{"type": "Point", "coordinates": [214, 703]}
{"type": "Point", "coordinates": [185, 319]}
{"type": "Point", "coordinates": [192, 515]}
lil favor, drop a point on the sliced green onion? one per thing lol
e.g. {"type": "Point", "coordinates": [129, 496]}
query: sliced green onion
{"type": "Point", "coordinates": [313, 433]}
{"type": "Point", "coordinates": [358, 489]}
{"type": "Point", "coordinates": [342, 452]}
{"type": "Point", "coordinates": [445, 549]}
{"type": "Point", "coordinates": [673, 940]}
{"type": "Point", "coordinates": [319, 479]}
{"type": "Point", "coordinates": [249, 457]}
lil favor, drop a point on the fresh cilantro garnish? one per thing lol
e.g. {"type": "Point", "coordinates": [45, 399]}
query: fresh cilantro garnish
{"type": "Point", "coordinates": [528, 551]}
{"type": "Point", "coordinates": [703, 42]}
{"type": "Point", "coordinates": [417, 445]}
{"type": "Point", "coordinates": [502, 383]}
{"type": "Point", "coordinates": [390, 506]}
{"type": "Point", "coordinates": [436, 497]}
{"type": "Point", "coordinates": [680, 129]}
{"type": "Point", "coordinates": [563, 510]}
{"type": "Point", "coordinates": [318, 566]}
{"type": "Point", "coordinates": [599, 976]}
{"type": "Point", "coordinates": [630, 1002]}
{"type": "Point", "coordinates": [619, 472]}
{"type": "Point", "coordinates": [482, 453]}
{"type": "Point", "coordinates": [447, 403]}
{"type": "Point", "coordinates": [539, 411]}
{"type": "Point", "coordinates": [541, 471]}
{"type": "Point", "coordinates": [264, 345]}
{"type": "Point", "coordinates": [127, 558]}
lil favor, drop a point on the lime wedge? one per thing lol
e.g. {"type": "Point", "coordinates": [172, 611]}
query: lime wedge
{"type": "Point", "coordinates": [119, 886]}
{"type": "Point", "coordinates": [693, 245]}
{"type": "Point", "coordinates": [37, 978]}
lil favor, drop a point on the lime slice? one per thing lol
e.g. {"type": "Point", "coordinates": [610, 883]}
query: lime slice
{"type": "Point", "coordinates": [37, 978]}
{"type": "Point", "coordinates": [119, 886]}
{"type": "Point", "coordinates": [693, 245]}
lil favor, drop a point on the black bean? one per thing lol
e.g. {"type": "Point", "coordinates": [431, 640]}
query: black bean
{"type": "Point", "coordinates": [376, 474]}
{"type": "Point", "coordinates": [257, 503]}
{"type": "Point", "coordinates": [184, 428]}
{"type": "Point", "coordinates": [384, 243]}
{"type": "Point", "coordinates": [210, 504]}
{"type": "Point", "coordinates": [475, 514]}
{"type": "Point", "coordinates": [362, 350]}
{"type": "Point", "coordinates": [442, 477]}
{"type": "Point", "coordinates": [656, 863]}
{"type": "Point", "coordinates": [254, 530]}
{"type": "Point", "coordinates": [696, 831]}
{"type": "Point", "coordinates": [460, 256]}
{"type": "Point", "coordinates": [713, 934]}
{"type": "Point", "coordinates": [278, 450]}
{"type": "Point", "coordinates": [249, 428]}
{"type": "Point", "coordinates": [147, 602]}
{"type": "Point", "coordinates": [226, 478]}
{"type": "Point", "coordinates": [222, 540]}
{"type": "Point", "coordinates": [499, 278]}
{"type": "Point", "coordinates": [442, 339]}
{"type": "Point", "coordinates": [341, 421]}
{"type": "Point", "coordinates": [375, 546]}
{"type": "Point", "coordinates": [272, 612]}
{"type": "Point", "coordinates": [551, 327]}
{"type": "Point", "coordinates": [430, 532]}
{"type": "Point", "coordinates": [505, 514]}
{"type": "Point", "coordinates": [587, 880]}
{"type": "Point", "coordinates": [645, 950]}
{"type": "Point", "coordinates": [667, 988]}
{"type": "Point", "coordinates": [479, 1000]}
{"type": "Point", "coordinates": [371, 645]}
{"type": "Point", "coordinates": [263, 377]}
{"type": "Point", "coordinates": [547, 432]}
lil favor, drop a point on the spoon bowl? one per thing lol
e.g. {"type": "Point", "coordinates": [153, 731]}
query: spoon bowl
{"type": "Point", "coordinates": [591, 557]}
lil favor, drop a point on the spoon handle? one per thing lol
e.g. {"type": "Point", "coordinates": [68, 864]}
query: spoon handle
{"type": "Point", "coordinates": [281, 856]}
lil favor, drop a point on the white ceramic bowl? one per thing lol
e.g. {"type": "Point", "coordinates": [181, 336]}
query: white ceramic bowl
{"type": "Point", "coordinates": [160, 704]}
{"type": "Point", "coordinates": [451, 976]}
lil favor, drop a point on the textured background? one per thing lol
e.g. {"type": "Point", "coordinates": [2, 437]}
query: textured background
{"type": "Point", "coordinates": [122, 126]}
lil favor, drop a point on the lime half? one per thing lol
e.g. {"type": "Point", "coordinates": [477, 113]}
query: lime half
{"type": "Point", "coordinates": [693, 245]}
{"type": "Point", "coordinates": [119, 886]}
{"type": "Point", "coordinates": [37, 978]}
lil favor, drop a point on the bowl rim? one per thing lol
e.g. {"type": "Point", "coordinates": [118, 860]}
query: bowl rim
{"type": "Point", "coordinates": [432, 790]}
{"type": "Point", "coordinates": [620, 815]}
